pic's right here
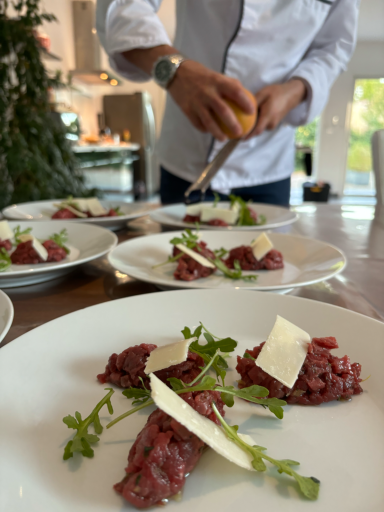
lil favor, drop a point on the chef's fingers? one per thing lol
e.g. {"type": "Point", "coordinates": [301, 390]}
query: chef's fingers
{"type": "Point", "coordinates": [210, 124]}
{"type": "Point", "coordinates": [226, 114]}
{"type": "Point", "coordinates": [265, 117]}
{"type": "Point", "coordinates": [233, 90]}
{"type": "Point", "coordinates": [195, 120]}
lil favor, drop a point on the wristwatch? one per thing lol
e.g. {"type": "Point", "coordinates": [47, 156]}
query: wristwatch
{"type": "Point", "coordinates": [164, 69]}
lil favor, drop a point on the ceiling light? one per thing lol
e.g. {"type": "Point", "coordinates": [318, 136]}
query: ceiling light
{"type": "Point", "coordinates": [103, 76]}
{"type": "Point", "coordinates": [113, 82]}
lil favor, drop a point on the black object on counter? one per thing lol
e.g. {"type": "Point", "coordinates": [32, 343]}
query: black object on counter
{"type": "Point", "coordinates": [318, 192]}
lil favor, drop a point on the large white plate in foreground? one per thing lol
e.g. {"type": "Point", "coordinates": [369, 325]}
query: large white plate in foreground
{"type": "Point", "coordinates": [276, 216]}
{"type": "Point", "coordinates": [85, 242]}
{"type": "Point", "coordinates": [342, 444]}
{"type": "Point", "coordinates": [6, 314]}
{"type": "Point", "coordinates": [306, 261]}
{"type": "Point", "coordinates": [43, 211]}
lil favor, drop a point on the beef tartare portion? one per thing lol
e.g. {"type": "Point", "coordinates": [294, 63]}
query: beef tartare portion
{"type": "Point", "coordinates": [65, 213]}
{"type": "Point", "coordinates": [126, 369]}
{"type": "Point", "coordinates": [273, 260]}
{"type": "Point", "coordinates": [189, 269]}
{"type": "Point", "coordinates": [164, 453]}
{"type": "Point", "coordinates": [7, 244]}
{"type": "Point", "coordinates": [25, 253]}
{"type": "Point", "coordinates": [322, 378]}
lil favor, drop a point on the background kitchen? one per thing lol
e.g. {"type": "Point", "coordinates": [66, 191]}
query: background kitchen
{"type": "Point", "coordinates": [113, 124]}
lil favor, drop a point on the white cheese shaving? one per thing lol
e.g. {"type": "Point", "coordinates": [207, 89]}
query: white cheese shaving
{"type": "Point", "coordinates": [39, 248]}
{"type": "Point", "coordinates": [95, 207]}
{"type": "Point", "coordinates": [194, 209]}
{"type": "Point", "coordinates": [6, 232]}
{"type": "Point", "coordinates": [168, 355]}
{"type": "Point", "coordinates": [213, 435]}
{"type": "Point", "coordinates": [261, 246]}
{"type": "Point", "coordinates": [284, 352]}
{"type": "Point", "coordinates": [228, 216]}
{"type": "Point", "coordinates": [196, 256]}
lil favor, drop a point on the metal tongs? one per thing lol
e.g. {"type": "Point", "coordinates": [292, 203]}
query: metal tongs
{"type": "Point", "coordinates": [205, 178]}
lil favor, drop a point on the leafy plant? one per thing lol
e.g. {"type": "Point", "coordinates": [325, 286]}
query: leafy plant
{"type": "Point", "coordinates": [36, 160]}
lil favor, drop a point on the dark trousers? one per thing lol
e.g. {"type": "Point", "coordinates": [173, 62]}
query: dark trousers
{"type": "Point", "coordinates": [172, 190]}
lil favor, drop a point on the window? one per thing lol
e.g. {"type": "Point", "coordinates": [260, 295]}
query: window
{"type": "Point", "coordinates": [367, 116]}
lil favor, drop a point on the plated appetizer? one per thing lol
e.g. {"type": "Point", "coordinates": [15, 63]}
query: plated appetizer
{"type": "Point", "coordinates": [191, 406]}
{"type": "Point", "coordinates": [73, 208]}
{"type": "Point", "coordinates": [195, 260]}
{"type": "Point", "coordinates": [239, 213]}
{"type": "Point", "coordinates": [21, 247]}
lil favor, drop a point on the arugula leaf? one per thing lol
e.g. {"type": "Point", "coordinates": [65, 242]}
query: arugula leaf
{"type": "Point", "coordinates": [309, 486]}
{"type": "Point", "coordinates": [5, 260]}
{"type": "Point", "coordinates": [248, 356]}
{"type": "Point", "coordinates": [118, 211]}
{"type": "Point", "coordinates": [176, 384]}
{"type": "Point", "coordinates": [171, 259]}
{"type": "Point", "coordinates": [82, 440]}
{"type": "Point", "coordinates": [262, 219]}
{"type": "Point", "coordinates": [140, 395]}
{"type": "Point", "coordinates": [245, 217]}
{"type": "Point", "coordinates": [232, 274]}
{"type": "Point", "coordinates": [220, 253]}
{"type": "Point", "coordinates": [217, 199]}
{"type": "Point", "coordinates": [18, 232]}
{"type": "Point", "coordinates": [187, 238]}
{"type": "Point", "coordinates": [211, 347]}
{"type": "Point", "coordinates": [60, 239]}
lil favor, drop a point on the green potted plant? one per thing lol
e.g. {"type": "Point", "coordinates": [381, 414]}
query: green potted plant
{"type": "Point", "coordinates": [36, 160]}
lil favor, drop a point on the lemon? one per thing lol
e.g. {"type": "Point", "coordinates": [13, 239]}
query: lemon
{"type": "Point", "coordinates": [247, 121]}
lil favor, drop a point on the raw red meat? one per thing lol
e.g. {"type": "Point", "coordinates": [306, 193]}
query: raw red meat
{"type": "Point", "coordinates": [26, 254]}
{"type": "Point", "coordinates": [253, 214]}
{"type": "Point", "coordinates": [163, 455]}
{"type": "Point", "coordinates": [273, 260]}
{"type": "Point", "coordinates": [64, 213]}
{"type": "Point", "coordinates": [191, 218]}
{"type": "Point", "coordinates": [6, 244]}
{"type": "Point", "coordinates": [322, 378]}
{"type": "Point", "coordinates": [217, 222]}
{"type": "Point", "coordinates": [189, 269]}
{"type": "Point", "coordinates": [125, 369]}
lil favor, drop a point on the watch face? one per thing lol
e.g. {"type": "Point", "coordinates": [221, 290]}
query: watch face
{"type": "Point", "coordinates": [163, 71]}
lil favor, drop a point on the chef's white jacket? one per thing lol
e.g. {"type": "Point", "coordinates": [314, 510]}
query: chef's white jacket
{"type": "Point", "coordinates": [260, 42]}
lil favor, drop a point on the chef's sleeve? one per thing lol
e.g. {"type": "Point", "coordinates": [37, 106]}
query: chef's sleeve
{"type": "Point", "coordinates": [325, 59]}
{"type": "Point", "coordinates": [124, 25]}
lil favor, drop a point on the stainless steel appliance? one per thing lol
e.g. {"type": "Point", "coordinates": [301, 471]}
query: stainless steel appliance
{"type": "Point", "coordinates": [134, 112]}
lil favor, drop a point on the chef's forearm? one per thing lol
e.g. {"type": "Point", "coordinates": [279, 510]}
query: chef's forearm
{"type": "Point", "coordinates": [144, 58]}
{"type": "Point", "coordinates": [297, 90]}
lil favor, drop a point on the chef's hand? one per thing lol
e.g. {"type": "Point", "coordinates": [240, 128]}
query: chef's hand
{"type": "Point", "coordinates": [275, 102]}
{"type": "Point", "coordinates": [199, 92]}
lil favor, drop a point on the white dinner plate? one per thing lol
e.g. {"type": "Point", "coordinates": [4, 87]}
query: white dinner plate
{"type": "Point", "coordinates": [50, 372]}
{"type": "Point", "coordinates": [6, 314]}
{"type": "Point", "coordinates": [43, 211]}
{"type": "Point", "coordinates": [306, 261]}
{"type": "Point", "coordinates": [276, 216]}
{"type": "Point", "coordinates": [85, 242]}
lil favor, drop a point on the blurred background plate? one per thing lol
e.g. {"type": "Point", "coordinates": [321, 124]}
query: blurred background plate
{"type": "Point", "coordinates": [6, 314]}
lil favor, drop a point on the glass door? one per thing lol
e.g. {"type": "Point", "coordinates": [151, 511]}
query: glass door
{"type": "Point", "coordinates": [367, 116]}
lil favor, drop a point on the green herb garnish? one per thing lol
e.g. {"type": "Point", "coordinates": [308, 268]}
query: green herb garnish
{"type": "Point", "coordinates": [82, 440]}
{"type": "Point", "coordinates": [245, 217]}
{"type": "Point", "coordinates": [220, 253]}
{"type": "Point", "coordinates": [248, 356]}
{"type": "Point", "coordinates": [309, 486]}
{"type": "Point", "coordinates": [5, 260]}
{"type": "Point", "coordinates": [217, 199]}
{"type": "Point", "coordinates": [60, 239]}
{"type": "Point", "coordinates": [18, 232]}
{"type": "Point", "coordinates": [187, 238]}
{"type": "Point", "coordinates": [233, 274]}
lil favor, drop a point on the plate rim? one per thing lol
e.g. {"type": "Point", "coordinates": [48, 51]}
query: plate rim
{"type": "Point", "coordinates": [61, 265]}
{"type": "Point", "coordinates": [9, 322]}
{"type": "Point", "coordinates": [88, 220]}
{"type": "Point", "coordinates": [192, 285]}
{"type": "Point", "coordinates": [181, 224]}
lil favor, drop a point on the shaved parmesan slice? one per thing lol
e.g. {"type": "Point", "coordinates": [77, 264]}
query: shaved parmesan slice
{"type": "Point", "coordinates": [213, 435]}
{"type": "Point", "coordinates": [261, 246]}
{"type": "Point", "coordinates": [284, 352]}
{"type": "Point", "coordinates": [39, 248]}
{"type": "Point", "coordinates": [228, 216]}
{"type": "Point", "coordinates": [81, 204]}
{"type": "Point", "coordinates": [196, 256]}
{"type": "Point", "coordinates": [71, 209]}
{"type": "Point", "coordinates": [194, 209]}
{"type": "Point", "coordinates": [5, 231]}
{"type": "Point", "coordinates": [95, 207]}
{"type": "Point", "coordinates": [169, 355]}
